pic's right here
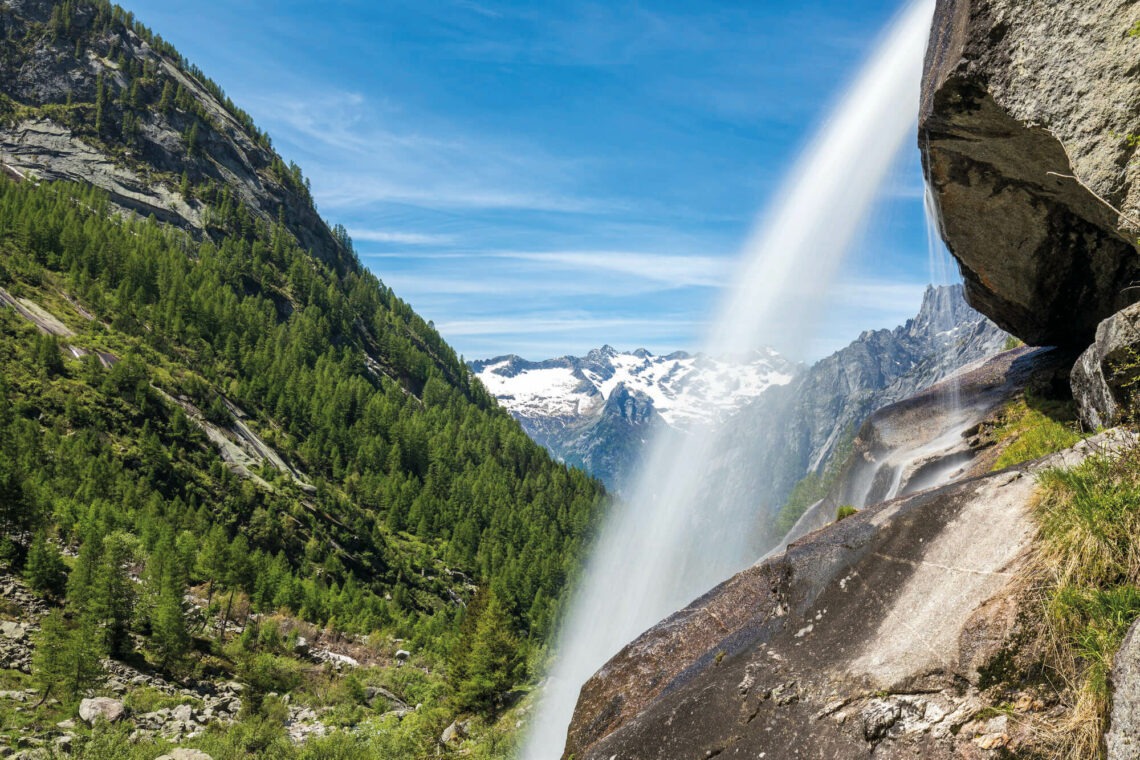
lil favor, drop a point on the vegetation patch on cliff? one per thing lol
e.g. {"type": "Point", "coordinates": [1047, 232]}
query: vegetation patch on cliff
{"type": "Point", "coordinates": [1090, 563]}
{"type": "Point", "coordinates": [1032, 428]}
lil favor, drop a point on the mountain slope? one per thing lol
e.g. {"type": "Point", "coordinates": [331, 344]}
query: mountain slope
{"type": "Point", "coordinates": [197, 368]}
{"type": "Point", "coordinates": [598, 411]}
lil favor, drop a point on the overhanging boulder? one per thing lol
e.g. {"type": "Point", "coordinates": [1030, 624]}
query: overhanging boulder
{"type": "Point", "coordinates": [1027, 107]}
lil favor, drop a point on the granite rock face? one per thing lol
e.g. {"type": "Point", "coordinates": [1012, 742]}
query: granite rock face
{"type": "Point", "coordinates": [828, 622]}
{"type": "Point", "coordinates": [1027, 108]}
{"type": "Point", "coordinates": [869, 638]}
{"type": "Point", "coordinates": [798, 428]}
{"type": "Point", "coordinates": [1104, 377]}
{"type": "Point", "coordinates": [1123, 738]}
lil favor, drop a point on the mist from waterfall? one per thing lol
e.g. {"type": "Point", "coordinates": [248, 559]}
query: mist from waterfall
{"type": "Point", "coordinates": [688, 524]}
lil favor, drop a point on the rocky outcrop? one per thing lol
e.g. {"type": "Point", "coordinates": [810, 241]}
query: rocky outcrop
{"type": "Point", "coordinates": [1105, 376]}
{"type": "Point", "coordinates": [874, 635]}
{"type": "Point", "coordinates": [1123, 737]}
{"type": "Point", "coordinates": [927, 440]}
{"type": "Point", "coordinates": [49, 130]}
{"type": "Point", "coordinates": [1027, 112]}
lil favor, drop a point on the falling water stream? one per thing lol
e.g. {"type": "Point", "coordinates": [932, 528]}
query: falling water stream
{"type": "Point", "coordinates": [680, 533]}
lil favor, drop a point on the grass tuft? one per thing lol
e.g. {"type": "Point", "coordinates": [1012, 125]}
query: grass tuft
{"type": "Point", "coordinates": [1035, 429]}
{"type": "Point", "coordinates": [1089, 518]}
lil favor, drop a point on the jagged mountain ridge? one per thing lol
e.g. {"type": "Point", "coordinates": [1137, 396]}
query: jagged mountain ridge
{"type": "Point", "coordinates": [598, 411]}
{"type": "Point", "coordinates": [682, 388]}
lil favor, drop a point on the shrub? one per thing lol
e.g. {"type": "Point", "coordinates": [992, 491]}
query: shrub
{"type": "Point", "coordinates": [1037, 429]}
{"type": "Point", "coordinates": [844, 512]}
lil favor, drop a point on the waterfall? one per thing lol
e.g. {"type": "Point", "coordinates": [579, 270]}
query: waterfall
{"type": "Point", "coordinates": [687, 524]}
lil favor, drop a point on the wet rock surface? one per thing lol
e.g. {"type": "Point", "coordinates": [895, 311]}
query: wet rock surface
{"type": "Point", "coordinates": [867, 636]}
{"type": "Point", "coordinates": [928, 439]}
{"type": "Point", "coordinates": [1026, 109]}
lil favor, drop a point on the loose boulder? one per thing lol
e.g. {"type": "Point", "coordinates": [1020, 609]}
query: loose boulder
{"type": "Point", "coordinates": [1105, 377]}
{"type": "Point", "coordinates": [454, 733]}
{"type": "Point", "coordinates": [183, 753]}
{"type": "Point", "coordinates": [105, 708]}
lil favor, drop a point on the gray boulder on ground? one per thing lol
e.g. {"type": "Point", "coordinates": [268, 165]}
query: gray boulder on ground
{"type": "Point", "coordinates": [110, 710]}
{"type": "Point", "coordinates": [182, 753]}
{"type": "Point", "coordinates": [1104, 377]}
{"type": "Point", "coordinates": [1123, 737]}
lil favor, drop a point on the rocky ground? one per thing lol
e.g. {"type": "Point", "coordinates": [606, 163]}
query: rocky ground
{"type": "Point", "coordinates": [190, 706]}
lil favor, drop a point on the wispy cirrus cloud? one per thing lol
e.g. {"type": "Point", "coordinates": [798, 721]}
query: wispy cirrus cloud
{"type": "Point", "coordinates": [675, 271]}
{"type": "Point", "coordinates": [550, 177]}
{"type": "Point", "coordinates": [546, 323]}
{"type": "Point", "coordinates": [372, 151]}
{"type": "Point", "coordinates": [400, 237]}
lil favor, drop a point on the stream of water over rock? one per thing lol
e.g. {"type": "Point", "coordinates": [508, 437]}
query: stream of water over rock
{"type": "Point", "coordinates": [686, 526]}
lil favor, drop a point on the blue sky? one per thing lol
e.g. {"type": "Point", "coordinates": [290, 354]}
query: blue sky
{"type": "Point", "coordinates": [542, 178]}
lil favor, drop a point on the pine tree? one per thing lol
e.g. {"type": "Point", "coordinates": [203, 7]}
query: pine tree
{"type": "Point", "coordinates": [170, 637]}
{"type": "Point", "coordinates": [81, 581]}
{"type": "Point", "coordinates": [492, 661]}
{"type": "Point", "coordinates": [114, 596]}
{"type": "Point", "coordinates": [45, 570]}
{"type": "Point", "coordinates": [50, 666]}
{"type": "Point", "coordinates": [191, 139]}
{"type": "Point", "coordinates": [166, 101]}
{"type": "Point", "coordinates": [66, 660]}
{"type": "Point", "coordinates": [100, 103]}
{"type": "Point", "coordinates": [48, 355]}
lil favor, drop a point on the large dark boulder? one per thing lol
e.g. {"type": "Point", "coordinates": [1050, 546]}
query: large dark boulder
{"type": "Point", "coordinates": [1027, 107]}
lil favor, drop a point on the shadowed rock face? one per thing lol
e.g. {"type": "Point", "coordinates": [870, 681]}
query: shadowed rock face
{"type": "Point", "coordinates": [1026, 108]}
{"type": "Point", "coordinates": [1105, 376]}
{"type": "Point", "coordinates": [869, 635]}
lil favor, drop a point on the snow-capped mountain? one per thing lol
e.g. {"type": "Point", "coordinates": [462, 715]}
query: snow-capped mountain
{"type": "Point", "coordinates": [596, 411]}
{"type": "Point", "coordinates": [682, 388]}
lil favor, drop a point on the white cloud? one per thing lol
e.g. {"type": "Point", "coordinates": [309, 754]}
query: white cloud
{"type": "Point", "coordinates": [362, 151]}
{"type": "Point", "coordinates": [403, 238]}
{"type": "Point", "coordinates": [674, 271]}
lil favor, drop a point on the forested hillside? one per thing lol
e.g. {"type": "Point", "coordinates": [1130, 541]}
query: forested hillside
{"type": "Point", "coordinates": [205, 393]}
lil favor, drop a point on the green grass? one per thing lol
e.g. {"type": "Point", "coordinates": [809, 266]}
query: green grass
{"type": "Point", "coordinates": [1011, 343]}
{"type": "Point", "coordinates": [1089, 519]}
{"type": "Point", "coordinates": [844, 512]}
{"type": "Point", "coordinates": [1035, 429]}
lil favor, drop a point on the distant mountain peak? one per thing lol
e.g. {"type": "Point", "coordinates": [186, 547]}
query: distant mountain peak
{"type": "Point", "coordinates": [682, 388]}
